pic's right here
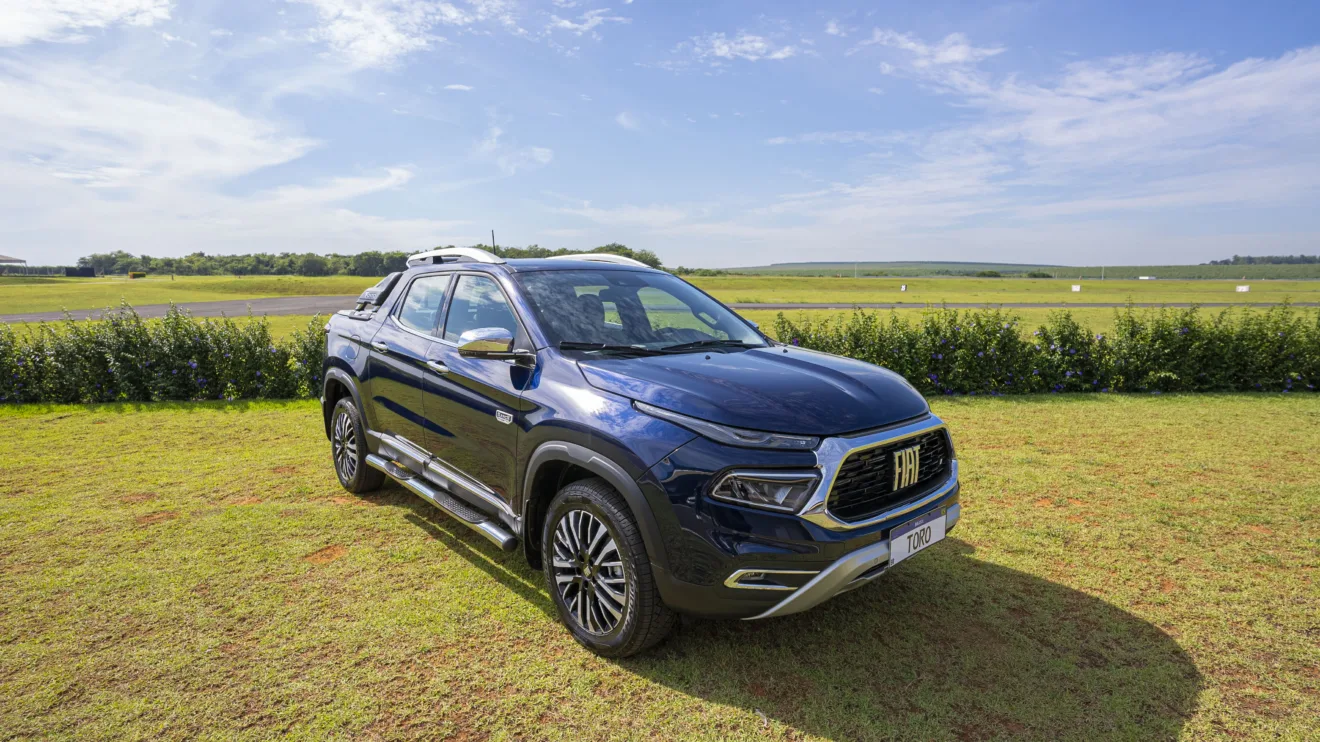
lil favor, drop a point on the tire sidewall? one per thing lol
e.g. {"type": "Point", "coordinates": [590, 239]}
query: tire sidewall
{"type": "Point", "coordinates": [574, 498]}
{"type": "Point", "coordinates": [346, 405]}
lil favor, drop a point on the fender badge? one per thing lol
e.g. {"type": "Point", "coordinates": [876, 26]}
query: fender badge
{"type": "Point", "coordinates": [503, 417]}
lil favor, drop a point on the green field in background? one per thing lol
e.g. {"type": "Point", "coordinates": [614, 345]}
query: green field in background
{"type": "Point", "coordinates": [918, 268]}
{"type": "Point", "coordinates": [22, 295]}
{"type": "Point", "coordinates": [19, 295]}
{"type": "Point", "coordinates": [1126, 568]}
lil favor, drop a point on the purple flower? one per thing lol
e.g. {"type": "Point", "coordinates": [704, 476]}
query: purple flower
{"type": "Point", "coordinates": [1035, 372]}
{"type": "Point", "coordinates": [795, 342]}
{"type": "Point", "coordinates": [933, 377]}
{"type": "Point", "coordinates": [980, 353]}
{"type": "Point", "coordinates": [1067, 374]}
{"type": "Point", "coordinates": [192, 364]}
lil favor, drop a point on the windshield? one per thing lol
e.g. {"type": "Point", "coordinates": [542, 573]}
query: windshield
{"type": "Point", "coordinates": [627, 308]}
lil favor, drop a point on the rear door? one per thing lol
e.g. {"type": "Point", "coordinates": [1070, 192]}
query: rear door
{"type": "Point", "coordinates": [473, 405]}
{"type": "Point", "coordinates": [396, 369]}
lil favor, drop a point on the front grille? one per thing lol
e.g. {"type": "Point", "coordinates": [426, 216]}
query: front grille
{"type": "Point", "coordinates": [864, 485]}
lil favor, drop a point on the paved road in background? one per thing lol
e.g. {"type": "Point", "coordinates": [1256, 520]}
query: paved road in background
{"type": "Point", "coordinates": [306, 305]}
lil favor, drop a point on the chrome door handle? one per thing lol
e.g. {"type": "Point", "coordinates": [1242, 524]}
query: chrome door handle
{"type": "Point", "coordinates": [437, 367]}
{"type": "Point", "coordinates": [381, 347]}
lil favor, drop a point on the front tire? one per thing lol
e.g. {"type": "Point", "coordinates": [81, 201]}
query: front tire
{"type": "Point", "coordinates": [598, 572]}
{"type": "Point", "coordinates": [348, 449]}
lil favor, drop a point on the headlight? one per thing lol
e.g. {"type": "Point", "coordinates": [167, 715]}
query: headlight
{"type": "Point", "coordinates": [785, 491]}
{"type": "Point", "coordinates": [732, 436]}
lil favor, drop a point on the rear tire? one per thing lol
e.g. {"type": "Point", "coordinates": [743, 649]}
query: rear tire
{"type": "Point", "coordinates": [348, 449]}
{"type": "Point", "coordinates": [599, 574]}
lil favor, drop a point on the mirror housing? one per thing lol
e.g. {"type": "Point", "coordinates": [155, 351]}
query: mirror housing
{"type": "Point", "coordinates": [491, 342]}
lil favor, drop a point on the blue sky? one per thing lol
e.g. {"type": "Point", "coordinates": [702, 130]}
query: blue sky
{"type": "Point", "coordinates": [714, 133]}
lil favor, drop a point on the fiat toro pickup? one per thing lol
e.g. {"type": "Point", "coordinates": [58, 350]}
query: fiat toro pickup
{"type": "Point", "coordinates": [651, 451]}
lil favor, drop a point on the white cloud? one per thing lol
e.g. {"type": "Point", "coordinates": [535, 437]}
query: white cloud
{"type": "Point", "coordinates": [508, 156]}
{"type": "Point", "coordinates": [627, 121]}
{"type": "Point", "coordinates": [876, 91]}
{"type": "Point", "coordinates": [22, 21]}
{"type": "Point", "coordinates": [588, 22]}
{"type": "Point", "coordinates": [718, 47]}
{"type": "Point", "coordinates": [457, 86]}
{"type": "Point", "coordinates": [953, 49]}
{"type": "Point", "coordinates": [96, 163]}
{"type": "Point", "coordinates": [654, 216]}
{"type": "Point", "coordinates": [834, 29]}
{"type": "Point", "coordinates": [377, 33]}
{"type": "Point", "coordinates": [221, 32]}
{"type": "Point", "coordinates": [1073, 159]}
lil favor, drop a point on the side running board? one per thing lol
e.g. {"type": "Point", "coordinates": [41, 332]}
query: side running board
{"type": "Point", "coordinates": [454, 508]}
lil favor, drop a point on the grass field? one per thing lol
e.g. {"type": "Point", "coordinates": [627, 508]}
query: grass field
{"type": "Point", "coordinates": [42, 295]}
{"type": "Point", "coordinates": [918, 268]}
{"type": "Point", "coordinates": [19, 295]}
{"type": "Point", "coordinates": [1126, 568]}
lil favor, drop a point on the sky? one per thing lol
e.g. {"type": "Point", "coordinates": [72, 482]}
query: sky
{"type": "Point", "coordinates": [714, 133]}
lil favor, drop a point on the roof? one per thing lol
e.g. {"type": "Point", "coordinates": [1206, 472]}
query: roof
{"type": "Point", "coordinates": [7, 259]}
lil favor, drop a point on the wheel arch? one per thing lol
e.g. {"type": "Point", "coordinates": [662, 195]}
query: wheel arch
{"type": "Point", "coordinates": [338, 384]}
{"type": "Point", "coordinates": [555, 464]}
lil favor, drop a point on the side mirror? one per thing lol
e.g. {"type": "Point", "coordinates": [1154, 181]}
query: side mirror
{"type": "Point", "coordinates": [485, 342]}
{"type": "Point", "coordinates": [495, 343]}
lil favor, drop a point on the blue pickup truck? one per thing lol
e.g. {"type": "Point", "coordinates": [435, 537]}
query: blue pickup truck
{"type": "Point", "coordinates": [651, 451]}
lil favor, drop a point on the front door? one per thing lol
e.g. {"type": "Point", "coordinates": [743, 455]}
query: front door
{"type": "Point", "coordinates": [399, 353]}
{"type": "Point", "coordinates": [472, 406]}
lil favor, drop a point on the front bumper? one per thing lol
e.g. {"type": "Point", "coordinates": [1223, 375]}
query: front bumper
{"type": "Point", "coordinates": [850, 572]}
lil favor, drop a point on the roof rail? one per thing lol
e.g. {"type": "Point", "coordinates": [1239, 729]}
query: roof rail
{"type": "Point", "coordinates": [602, 257]}
{"type": "Point", "coordinates": [454, 255]}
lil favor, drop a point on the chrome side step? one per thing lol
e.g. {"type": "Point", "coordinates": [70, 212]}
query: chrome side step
{"type": "Point", "coordinates": [454, 508]}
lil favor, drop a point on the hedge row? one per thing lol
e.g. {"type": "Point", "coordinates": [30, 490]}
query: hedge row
{"type": "Point", "coordinates": [1158, 350]}
{"type": "Point", "coordinates": [946, 351]}
{"type": "Point", "coordinates": [127, 359]}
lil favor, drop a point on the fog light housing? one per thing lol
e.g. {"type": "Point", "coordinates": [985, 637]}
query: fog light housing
{"type": "Point", "coordinates": [772, 490]}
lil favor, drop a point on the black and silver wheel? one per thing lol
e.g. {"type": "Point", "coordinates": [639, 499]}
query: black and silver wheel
{"type": "Point", "coordinates": [348, 447]}
{"type": "Point", "coordinates": [589, 572]}
{"type": "Point", "coordinates": [599, 574]}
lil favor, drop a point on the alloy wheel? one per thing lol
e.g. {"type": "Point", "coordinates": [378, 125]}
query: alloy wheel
{"type": "Point", "coordinates": [589, 573]}
{"type": "Point", "coordinates": [344, 446]}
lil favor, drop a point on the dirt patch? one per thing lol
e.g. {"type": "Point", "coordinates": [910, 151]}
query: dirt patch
{"type": "Point", "coordinates": [137, 497]}
{"type": "Point", "coordinates": [351, 501]}
{"type": "Point", "coordinates": [1044, 502]}
{"type": "Point", "coordinates": [146, 520]}
{"type": "Point", "coordinates": [289, 513]}
{"type": "Point", "coordinates": [286, 469]}
{"type": "Point", "coordinates": [247, 501]}
{"type": "Point", "coordinates": [327, 555]}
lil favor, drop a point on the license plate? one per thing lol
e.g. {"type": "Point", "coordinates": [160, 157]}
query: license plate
{"type": "Point", "coordinates": [915, 535]}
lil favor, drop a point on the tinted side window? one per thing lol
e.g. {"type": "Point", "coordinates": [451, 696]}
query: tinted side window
{"type": "Point", "coordinates": [423, 304]}
{"type": "Point", "coordinates": [478, 303]}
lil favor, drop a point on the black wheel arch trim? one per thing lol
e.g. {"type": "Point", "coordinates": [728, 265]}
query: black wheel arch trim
{"type": "Point", "coordinates": [333, 374]}
{"type": "Point", "coordinates": [612, 473]}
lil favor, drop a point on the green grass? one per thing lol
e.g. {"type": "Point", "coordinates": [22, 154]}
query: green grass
{"type": "Point", "coordinates": [922, 291]}
{"type": "Point", "coordinates": [1127, 568]}
{"type": "Point", "coordinates": [22, 295]}
{"type": "Point", "coordinates": [19, 295]}
{"type": "Point", "coordinates": [935, 268]}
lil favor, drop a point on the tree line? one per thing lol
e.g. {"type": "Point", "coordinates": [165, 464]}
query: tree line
{"type": "Point", "coordinates": [371, 263]}
{"type": "Point", "coordinates": [1269, 260]}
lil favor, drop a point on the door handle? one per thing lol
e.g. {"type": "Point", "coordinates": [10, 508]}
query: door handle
{"type": "Point", "coordinates": [437, 367]}
{"type": "Point", "coordinates": [381, 347]}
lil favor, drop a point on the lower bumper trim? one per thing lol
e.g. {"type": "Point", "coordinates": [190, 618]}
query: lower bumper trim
{"type": "Point", "coordinates": [850, 571]}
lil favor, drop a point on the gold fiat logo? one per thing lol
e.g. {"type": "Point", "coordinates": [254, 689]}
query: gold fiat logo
{"type": "Point", "coordinates": [907, 465]}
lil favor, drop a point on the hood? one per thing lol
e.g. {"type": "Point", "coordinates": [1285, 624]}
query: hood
{"type": "Point", "coordinates": [798, 391]}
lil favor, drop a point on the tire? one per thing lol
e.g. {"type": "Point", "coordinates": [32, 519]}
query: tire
{"type": "Point", "coordinates": [608, 599]}
{"type": "Point", "coordinates": [348, 449]}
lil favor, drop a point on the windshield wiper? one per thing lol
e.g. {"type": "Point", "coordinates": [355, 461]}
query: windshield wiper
{"type": "Point", "coordinates": [714, 343]}
{"type": "Point", "coordinates": [608, 347]}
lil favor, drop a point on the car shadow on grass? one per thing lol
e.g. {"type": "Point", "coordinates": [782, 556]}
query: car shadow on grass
{"type": "Point", "coordinates": [946, 646]}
